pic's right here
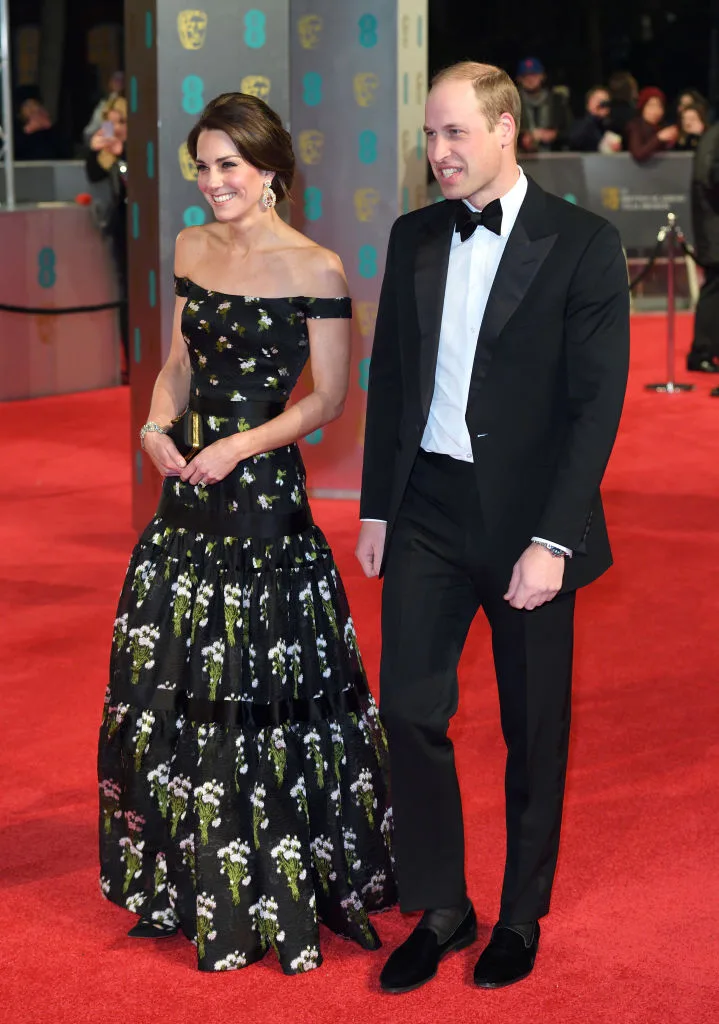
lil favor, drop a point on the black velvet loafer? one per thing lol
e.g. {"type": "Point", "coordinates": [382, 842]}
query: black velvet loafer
{"type": "Point", "coordinates": [507, 958]}
{"type": "Point", "coordinates": [415, 962]}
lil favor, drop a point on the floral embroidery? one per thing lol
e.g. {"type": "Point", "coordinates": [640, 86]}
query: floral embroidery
{"type": "Point", "coordinates": [212, 625]}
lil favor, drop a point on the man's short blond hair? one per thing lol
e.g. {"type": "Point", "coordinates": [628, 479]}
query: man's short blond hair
{"type": "Point", "coordinates": [496, 92]}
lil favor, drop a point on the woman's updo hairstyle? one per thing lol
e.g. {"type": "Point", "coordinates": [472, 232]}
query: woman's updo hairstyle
{"type": "Point", "coordinates": [257, 132]}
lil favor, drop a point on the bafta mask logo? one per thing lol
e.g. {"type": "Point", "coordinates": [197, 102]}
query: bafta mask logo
{"type": "Point", "coordinates": [187, 164]}
{"type": "Point", "coordinates": [419, 89]}
{"type": "Point", "coordinates": [611, 198]}
{"type": "Point", "coordinates": [366, 317]}
{"type": "Point", "coordinates": [311, 144]}
{"type": "Point", "coordinates": [310, 29]}
{"type": "Point", "coordinates": [192, 29]}
{"type": "Point", "coordinates": [256, 85]}
{"type": "Point", "coordinates": [405, 31]}
{"type": "Point", "coordinates": [366, 85]}
{"type": "Point", "coordinates": [406, 143]}
{"type": "Point", "coordinates": [366, 200]}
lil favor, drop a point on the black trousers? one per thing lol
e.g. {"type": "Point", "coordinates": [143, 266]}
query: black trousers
{"type": "Point", "coordinates": [438, 574]}
{"type": "Point", "coordinates": [706, 319]}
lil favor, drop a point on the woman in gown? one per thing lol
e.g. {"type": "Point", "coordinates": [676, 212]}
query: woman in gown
{"type": "Point", "coordinates": [242, 764]}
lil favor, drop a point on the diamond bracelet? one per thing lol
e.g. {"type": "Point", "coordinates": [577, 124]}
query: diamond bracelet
{"type": "Point", "coordinates": [149, 428]}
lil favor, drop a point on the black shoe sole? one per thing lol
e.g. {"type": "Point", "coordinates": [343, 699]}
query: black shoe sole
{"type": "Point", "coordinates": [503, 984]}
{"type": "Point", "coordinates": [454, 947]}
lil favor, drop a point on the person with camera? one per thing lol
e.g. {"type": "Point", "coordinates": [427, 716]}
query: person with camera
{"type": "Point", "coordinates": [591, 133]}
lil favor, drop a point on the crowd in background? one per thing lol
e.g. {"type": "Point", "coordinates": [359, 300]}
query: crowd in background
{"type": "Point", "coordinates": [618, 116]}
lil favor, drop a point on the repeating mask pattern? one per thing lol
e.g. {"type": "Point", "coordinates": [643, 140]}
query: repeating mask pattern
{"type": "Point", "coordinates": [192, 29]}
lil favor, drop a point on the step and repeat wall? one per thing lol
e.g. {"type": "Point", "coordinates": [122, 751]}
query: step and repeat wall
{"type": "Point", "coordinates": [349, 81]}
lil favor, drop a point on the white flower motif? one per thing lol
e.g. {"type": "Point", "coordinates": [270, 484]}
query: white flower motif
{"type": "Point", "coordinates": [307, 960]}
{"type": "Point", "coordinates": [231, 962]}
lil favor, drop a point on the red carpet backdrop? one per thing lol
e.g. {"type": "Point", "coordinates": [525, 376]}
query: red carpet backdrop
{"type": "Point", "coordinates": [634, 930]}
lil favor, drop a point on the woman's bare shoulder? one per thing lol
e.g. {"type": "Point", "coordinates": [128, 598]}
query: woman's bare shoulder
{"type": "Point", "coordinates": [191, 246]}
{"type": "Point", "coordinates": [320, 270]}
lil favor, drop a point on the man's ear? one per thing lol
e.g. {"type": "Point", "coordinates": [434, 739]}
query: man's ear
{"type": "Point", "coordinates": [507, 128]}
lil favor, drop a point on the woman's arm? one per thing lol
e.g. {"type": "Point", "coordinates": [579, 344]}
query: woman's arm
{"type": "Point", "coordinates": [172, 386]}
{"type": "Point", "coordinates": [640, 146]}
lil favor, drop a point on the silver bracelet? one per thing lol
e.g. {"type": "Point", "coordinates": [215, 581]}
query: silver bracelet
{"type": "Point", "coordinates": [150, 428]}
{"type": "Point", "coordinates": [554, 551]}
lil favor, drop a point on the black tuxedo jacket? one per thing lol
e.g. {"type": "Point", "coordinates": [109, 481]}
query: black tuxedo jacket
{"type": "Point", "coordinates": [547, 383]}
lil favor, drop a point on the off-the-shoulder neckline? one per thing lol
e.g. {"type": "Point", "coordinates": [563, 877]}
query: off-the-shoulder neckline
{"type": "Point", "coordinates": [263, 298]}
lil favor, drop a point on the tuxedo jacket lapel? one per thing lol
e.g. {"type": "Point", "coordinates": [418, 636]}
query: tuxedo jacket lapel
{"type": "Point", "coordinates": [430, 279]}
{"type": "Point", "coordinates": [528, 246]}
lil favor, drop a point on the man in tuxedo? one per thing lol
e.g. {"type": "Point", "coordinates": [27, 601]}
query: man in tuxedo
{"type": "Point", "coordinates": [496, 385]}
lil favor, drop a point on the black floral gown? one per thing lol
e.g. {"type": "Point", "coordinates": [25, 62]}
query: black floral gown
{"type": "Point", "coordinates": [242, 765]}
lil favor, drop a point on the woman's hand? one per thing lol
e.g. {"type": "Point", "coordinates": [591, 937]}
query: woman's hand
{"type": "Point", "coordinates": [100, 141]}
{"type": "Point", "coordinates": [670, 134]}
{"type": "Point", "coordinates": [213, 463]}
{"type": "Point", "coordinates": [164, 454]}
{"type": "Point", "coordinates": [108, 143]}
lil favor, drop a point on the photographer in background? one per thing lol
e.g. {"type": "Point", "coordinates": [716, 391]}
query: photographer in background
{"type": "Point", "coordinates": [106, 160]}
{"type": "Point", "coordinates": [591, 133]}
{"type": "Point", "coordinates": [115, 88]}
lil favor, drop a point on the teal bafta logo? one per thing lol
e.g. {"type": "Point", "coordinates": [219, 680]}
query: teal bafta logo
{"type": "Point", "coordinates": [194, 216]}
{"type": "Point", "coordinates": [364, 373]}
{"type": "Point", "coordinates": [46, 275]}
{"type": "Point", "coordinates": [367, 149]}
{"type": "Point", "coordinates": [367, 261]}
{"type": "Point", "coordinates": [255, 29]}
{"type": "Point", "coordinates": [367, 31]}
{"type": "Point", "coordinates": [315, 437]}
{"type": "Point", "coordinates": [313, 203]}
{"type": "Point", "coordinates": [192, 94]}
{"type": "Point", "coordinates": [312, 88]}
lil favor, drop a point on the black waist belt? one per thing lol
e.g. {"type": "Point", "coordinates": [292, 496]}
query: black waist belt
{"type": "Point", "coordinates": [263, 525]}
{"type": "Point", "coordinates": [245, 714]}
{"type": "Point", "coordinates": [211, 406]}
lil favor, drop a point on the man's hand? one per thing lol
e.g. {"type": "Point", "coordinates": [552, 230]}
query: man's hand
{"type": "Point", "coordinates": [536, 578]}
{"type": "Point", "coordinates": [370, 547]}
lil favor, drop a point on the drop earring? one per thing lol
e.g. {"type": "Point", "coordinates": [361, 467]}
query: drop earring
{"type": "Point", "coordinates": [269, 198]}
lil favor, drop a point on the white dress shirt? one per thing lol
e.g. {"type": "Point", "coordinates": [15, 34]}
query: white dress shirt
{"type": "Point", "coordinates": [470, 275]}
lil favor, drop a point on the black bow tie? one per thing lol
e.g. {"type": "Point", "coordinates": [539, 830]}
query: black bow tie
{"type": "Point", "coordinates": [490, 218]}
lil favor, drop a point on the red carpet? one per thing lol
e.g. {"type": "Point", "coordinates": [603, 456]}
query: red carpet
{"type": "Point", "coordinates": [633, 934]}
